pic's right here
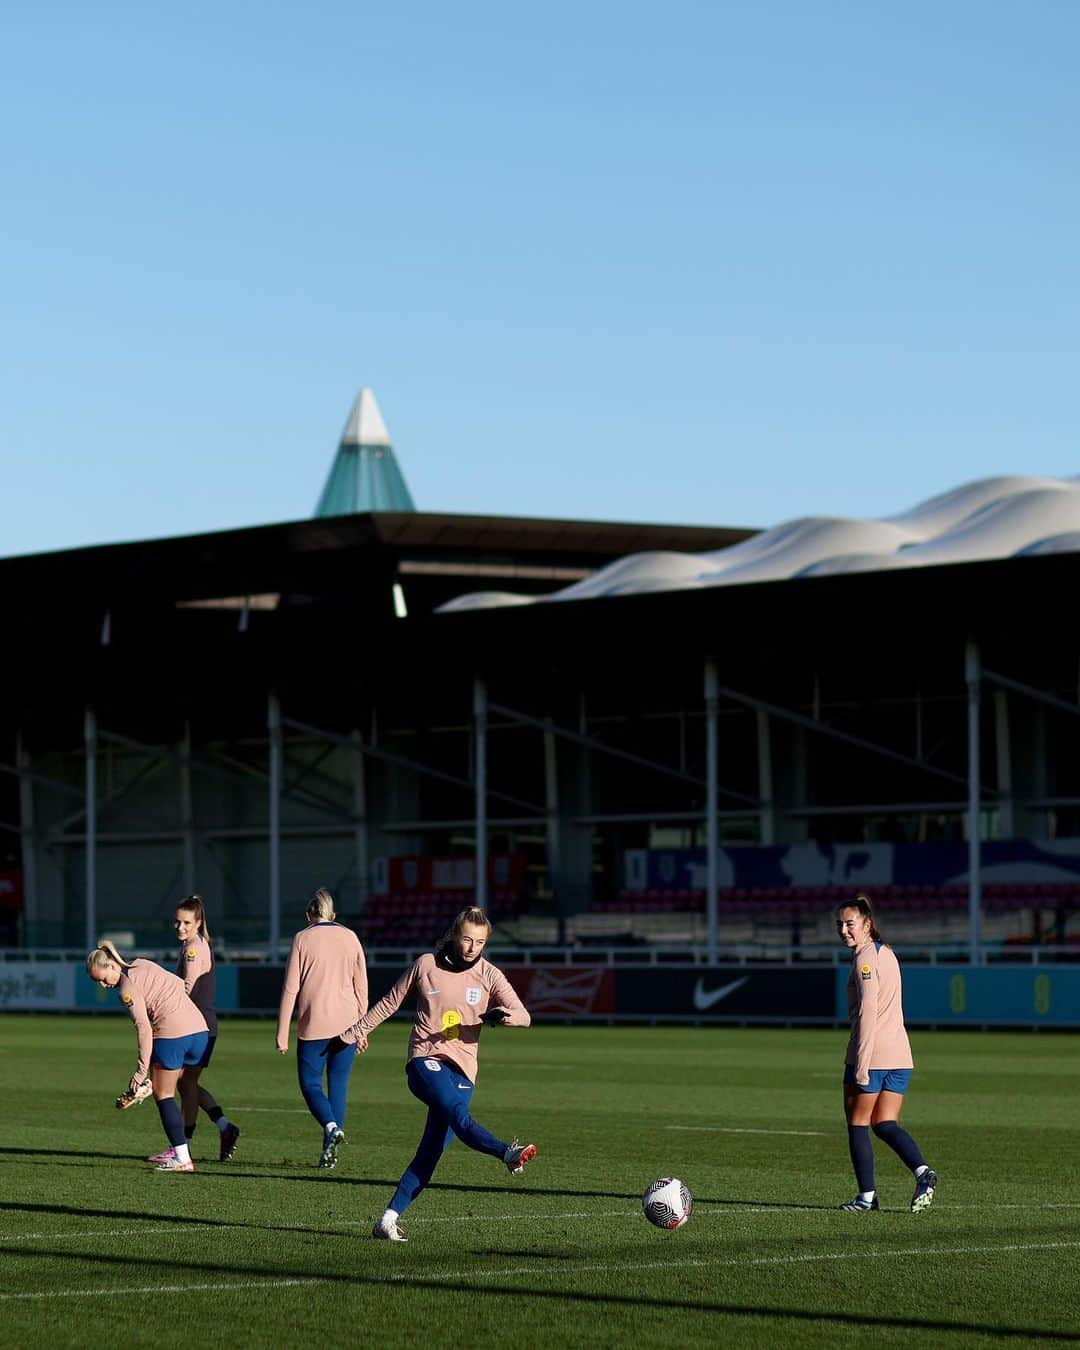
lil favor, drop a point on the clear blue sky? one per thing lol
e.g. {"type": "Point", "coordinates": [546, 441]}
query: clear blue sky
{"type": "Point", "coordinates": [694, 261]}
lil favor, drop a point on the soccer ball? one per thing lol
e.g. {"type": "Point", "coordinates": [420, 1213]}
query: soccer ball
{"type": "Point", "coordinates": [667, 1202]}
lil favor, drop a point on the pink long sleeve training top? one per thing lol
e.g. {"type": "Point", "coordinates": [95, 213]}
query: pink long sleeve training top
{"type": "Point", "coordinates": [326, 980]}
{"type": "Point", "coordinates": [878, 1039]}
{"type": "Point", "coordinates": [157, 1003]}
{"type": "Point", "coordinates": [449, 1008]}
{"type": "Point", "coordinates": [196, 968]}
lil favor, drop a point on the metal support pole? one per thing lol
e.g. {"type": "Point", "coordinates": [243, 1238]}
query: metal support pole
{"type": "Point", "coordinates": [551, 811]}
{"type": "Point", "coordinates": [712, 805]}
{"type": "Point", "coordinates": [1003, 742]}
{"type": "Point", "coordinates": [767, 814]}
{"type": "Point", "coordinates": [277, 757]}
{"type": "Point", "coordinates": [90, 739]}
{"type": "Point", "coordinates": [973, 675]}
{"type": "Point", "coordinates": [187, 811]}
{"type": "Point", "coordinates": [360, 814]}
{"type": "Point", "coordinates": [480, 720]}
{"type": "Point", "coordinates": [28, 843]}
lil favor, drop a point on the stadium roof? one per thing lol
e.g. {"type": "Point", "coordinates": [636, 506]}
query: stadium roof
{"type": "Point", "coordinates": [987, 519]}
{"type": "Point", "coordinates": [440, 554]}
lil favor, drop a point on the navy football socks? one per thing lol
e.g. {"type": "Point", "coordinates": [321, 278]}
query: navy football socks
{"type": "Point", "coordinates": [901, 1143]}
{"type": "Point", "coordinates": [862, 1156]}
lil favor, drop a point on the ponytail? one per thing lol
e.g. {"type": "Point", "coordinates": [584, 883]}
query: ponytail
{"type": "Point", "coordinates": [321, 905]}
{"type": "Point", "coordinates": [102, 954]}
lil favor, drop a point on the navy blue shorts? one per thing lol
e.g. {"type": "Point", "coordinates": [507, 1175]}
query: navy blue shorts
{"type": "Point", "coordinates": [175, 1052]}
{"type": "Point", "coordinates": [211, 1042]}
{"type": "Point", "coordinates": [881, 1080]}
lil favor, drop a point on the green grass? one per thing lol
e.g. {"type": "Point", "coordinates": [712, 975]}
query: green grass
{"type": "Point", "coordinates": [97, 1246]}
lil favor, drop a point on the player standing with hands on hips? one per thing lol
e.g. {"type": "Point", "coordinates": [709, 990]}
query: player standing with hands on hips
{"type": "Point", "coordinates": [878, 1063]}
{"type": "Point", "coordinates": [172, 1039]}
{"type": "Point", "coordinates": [458, 993]}
{"type": "Point", "coordinates": [326, 981]}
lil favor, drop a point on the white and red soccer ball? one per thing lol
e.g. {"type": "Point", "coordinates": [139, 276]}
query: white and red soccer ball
{"type": "Point", "coordinates": [667, 1202]}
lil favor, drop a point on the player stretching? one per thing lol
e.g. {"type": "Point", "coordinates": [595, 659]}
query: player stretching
{"type": "Point", "coordinates": [196, 968]}
{"type": "Point", "coordinates": [878, 1062]}
{"type": "Point", "coordinates": [457, 994]}
{"type": "Point", "coordinates": [172, 1038]}
{"type": "Point", "coordinates": [326, 979]}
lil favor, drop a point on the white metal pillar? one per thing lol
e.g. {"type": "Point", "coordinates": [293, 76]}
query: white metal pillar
{"type": "Point", "coordinates": [187, 811]}
{"type": "Point", "coordinates": [359, 786]}
{"type": "Point", "coordinates": [277, 757]}
{"type": "Point", "coordinates": [90, 740]}
{"type": "Point", "coordinates": [480, 720]}
{"type": "Point", "coordinates": [712, 805]}
{"type": "Point", "coordinates": [28, 840]}
{"type": "Point", "coordinates": [973, 675]}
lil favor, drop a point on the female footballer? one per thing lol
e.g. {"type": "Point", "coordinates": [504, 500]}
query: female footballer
{"type": "Point", "coordinates": [172, 1038]}
{"type": "Point", "coordinates": [457, 993]}
{"type": "Point", "coordinates": [196, 968]}
{"type": "Point", "coordinates": [878, 1062]}
{"type": "Point", "coordinates": [326, 981]}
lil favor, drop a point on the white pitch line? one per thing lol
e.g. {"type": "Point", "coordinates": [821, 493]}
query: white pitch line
{"type": "Point", "coordinates": [274, 1110]}
{"type": "Point", "coordinates": [505, 1218]}
{"type": "Point", "coordinates": [862, 1253]}
{"type": "Point", "coordinates": [95, 1234]}
{"type": "Point", "coordinates": [165, 1289]}
{"type": "Point", "coordinates": [731, 1129]}
{"type": "Point", "coordinates": [701, 1211]}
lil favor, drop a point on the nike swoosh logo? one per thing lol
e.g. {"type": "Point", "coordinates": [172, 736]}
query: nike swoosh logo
{"type": "Point", "coordinates": [704, 1001]}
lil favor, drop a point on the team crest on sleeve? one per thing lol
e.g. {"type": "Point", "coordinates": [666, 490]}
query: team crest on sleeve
{"type": "Point", "coordinates": [191, 953]}
{"type": "Point", "coordinates": [473, 995]}
{"type": "Point", "coordinates": [866, 972]}
{"type": "Point", "coordinates": [126, 999]}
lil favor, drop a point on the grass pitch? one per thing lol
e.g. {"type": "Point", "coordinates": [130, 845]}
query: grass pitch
{"type": "Point", "coordinates": [95, 1246]}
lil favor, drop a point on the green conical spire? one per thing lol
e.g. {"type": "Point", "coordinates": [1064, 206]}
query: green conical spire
{"type": "Point", "coordinates": [365, 475]}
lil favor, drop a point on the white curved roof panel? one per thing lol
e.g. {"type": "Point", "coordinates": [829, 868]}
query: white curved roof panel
{"type": "Point", "coordinates": [990, 518]}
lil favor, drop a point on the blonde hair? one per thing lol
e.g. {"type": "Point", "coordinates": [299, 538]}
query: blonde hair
{"type": "Point", "coordinates": [102, 954]}
{"type": "Point", "coordinates": [471, 914]}
{"type": "Point", "coordinates": [194, 903]}
{"type": "Point", "coordinates": [321, 905]}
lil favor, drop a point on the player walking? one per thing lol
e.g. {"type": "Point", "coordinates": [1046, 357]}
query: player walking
{"type": "Point", "coordinates": [326, 981]}
{"type": "Point", "coordinates": [457, 994]}
{"type": "Point", "coordinates": [878, 1062]}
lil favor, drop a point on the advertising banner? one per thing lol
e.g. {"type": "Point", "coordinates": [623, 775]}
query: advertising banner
{"type": "Point", "coordinates": [726, 993]}
{"type": "Point", "coordinates": [985, 996]}
{"type": "Point", "coordinates": [678, 993]}
{"type": "Point", "coordinates": [37, 984]}
{"type": "Point", "coordinates": [429, 876]}
{"type": "Point", "coordinates": [961, 995]}
{"type": "Point", "coordinates": [854, 865]}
